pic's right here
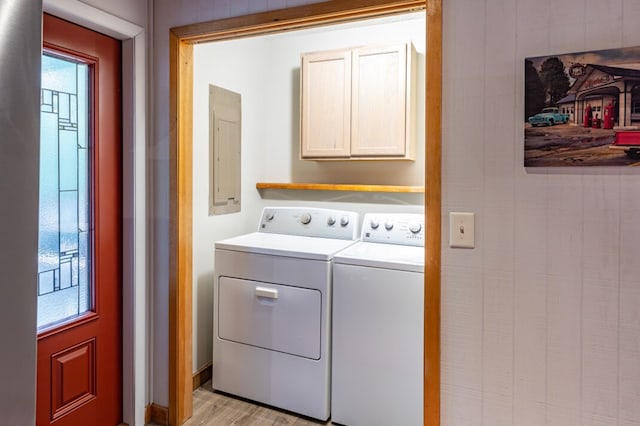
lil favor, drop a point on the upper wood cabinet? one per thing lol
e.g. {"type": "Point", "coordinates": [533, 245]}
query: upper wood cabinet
{"type": "Point", "coordinates": [356, 103]}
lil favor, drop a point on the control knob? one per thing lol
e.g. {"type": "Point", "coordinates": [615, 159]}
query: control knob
{"type": "Point", "coordinates": [374, 224]}
{"type": "Point", "coordinates": [305, 218]}
{"type": "Point", "coordinates": [388, 226]}
{"type": "Point", "coordinates": [344, 220]}
{"type": "Point", "coordinates": [269, 215]}
{"type": "Point", "coordinates": [331, 220]}
{"type": "Point", "coordinates": [415, 227]}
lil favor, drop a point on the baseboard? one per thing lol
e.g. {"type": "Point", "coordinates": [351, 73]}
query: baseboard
{"type": "Point", "coordinates": [201, 376]}
{"type": "Point", "coordinates": [160, 415]}
{"type": "Point", "coordinates": [156, 414]}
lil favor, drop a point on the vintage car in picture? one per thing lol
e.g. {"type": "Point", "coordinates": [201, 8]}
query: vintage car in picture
{"type": "Point", "coordinates": [627, 141]}
{"type": "Point", "coordinates": [548, 117]}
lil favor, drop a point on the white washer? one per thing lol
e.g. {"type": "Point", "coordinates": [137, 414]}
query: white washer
{"type": "Point", "coordinates": [272, 308]}
{"type": "Point", "coordinates": [378, 310]}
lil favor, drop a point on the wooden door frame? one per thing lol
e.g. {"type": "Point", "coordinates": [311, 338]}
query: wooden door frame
{"type": "Point", "coordinates": [181, 41]}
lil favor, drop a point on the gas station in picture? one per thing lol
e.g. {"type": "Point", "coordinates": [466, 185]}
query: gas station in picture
{"type": "Point", "coordinates": [603, 97]}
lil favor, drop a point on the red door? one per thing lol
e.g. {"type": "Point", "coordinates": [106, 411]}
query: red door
{"type": "Point", "coordinates": [79, 367]}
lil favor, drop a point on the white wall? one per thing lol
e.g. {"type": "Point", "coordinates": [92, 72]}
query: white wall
{"type": "Point", "coordinates": [541, 322]}
{"type": "Point", "coordinates": [20, 45]}
{"type": "Point", "coordinates": [265, 71]}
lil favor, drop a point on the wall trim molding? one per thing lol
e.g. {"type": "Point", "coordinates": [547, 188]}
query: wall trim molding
{"type": "Point", "coordinates": [156, 414]}
{"type": "Point", "coordinates": [201, 376]}
{"type": "Point", "coordinates": [89, 16]}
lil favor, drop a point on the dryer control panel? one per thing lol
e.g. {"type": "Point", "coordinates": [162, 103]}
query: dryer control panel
{"type": "Point", "coordinates": [394, 228]}
{"type": "Point", "coordinates": [310, 222]}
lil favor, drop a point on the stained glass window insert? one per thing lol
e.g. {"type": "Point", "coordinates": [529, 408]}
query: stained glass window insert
{"type": "Point", "coordinates": [64, 231]}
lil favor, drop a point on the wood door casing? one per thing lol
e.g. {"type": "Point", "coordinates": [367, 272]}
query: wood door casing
{"type": "Point", "coordinates": [79, 364]}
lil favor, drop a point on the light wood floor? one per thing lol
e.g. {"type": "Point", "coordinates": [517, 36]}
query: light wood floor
{"type": "Point", "coordinates": [217, 409]}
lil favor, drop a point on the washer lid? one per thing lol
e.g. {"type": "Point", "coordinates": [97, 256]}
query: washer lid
{"type": "Point", "coordinates": [387, 256]}
{"type": "Point", "coordinates": [285, 245]}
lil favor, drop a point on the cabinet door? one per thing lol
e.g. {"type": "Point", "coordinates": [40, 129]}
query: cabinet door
{"type": "Point", "coordinates": [325, 122]}
{"type": "Point", "coordinates": [379, 101]}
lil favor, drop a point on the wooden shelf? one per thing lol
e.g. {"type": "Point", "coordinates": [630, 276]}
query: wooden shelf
{"type": "Point", "coordinates": [339, 187]}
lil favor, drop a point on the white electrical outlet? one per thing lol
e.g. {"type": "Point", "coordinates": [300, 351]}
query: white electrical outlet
{"type": "Point", "coordinates": [462, 230]}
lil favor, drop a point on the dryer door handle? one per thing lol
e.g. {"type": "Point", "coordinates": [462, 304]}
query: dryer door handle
{"type": "Point", "coordinates": [270, 293]}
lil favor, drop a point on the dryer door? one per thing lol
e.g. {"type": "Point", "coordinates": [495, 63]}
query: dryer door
{"type": "Point", "coordinates": [270, 316]}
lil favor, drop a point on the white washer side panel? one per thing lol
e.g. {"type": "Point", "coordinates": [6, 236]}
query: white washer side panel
{"type": "Point", "coordinates": [290, 382]}
{"type": "Point", "coordinates": [377, 351]}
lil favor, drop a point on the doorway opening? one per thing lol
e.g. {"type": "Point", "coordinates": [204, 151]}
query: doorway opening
{"type": "Point", "coordinates": [182, 40]}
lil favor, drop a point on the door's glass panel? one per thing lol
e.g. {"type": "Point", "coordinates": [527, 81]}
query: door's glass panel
{"type": "Point", "coordinates": [64, 284]}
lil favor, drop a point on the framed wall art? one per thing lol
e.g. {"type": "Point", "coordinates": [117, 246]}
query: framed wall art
{"type": "Point", "coordinates": [582, 109]}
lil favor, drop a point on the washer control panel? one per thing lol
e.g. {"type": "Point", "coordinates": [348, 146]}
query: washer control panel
{"type": "Point", "coordinates": [394, 228]}
{"type": "Point", "coordinates": [310, 222]}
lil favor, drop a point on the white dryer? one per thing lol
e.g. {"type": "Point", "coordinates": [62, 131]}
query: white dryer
{"type": "Point", "coordinates": [378, 317]}
{"type": "Point", "coordinates": [272, 308]}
